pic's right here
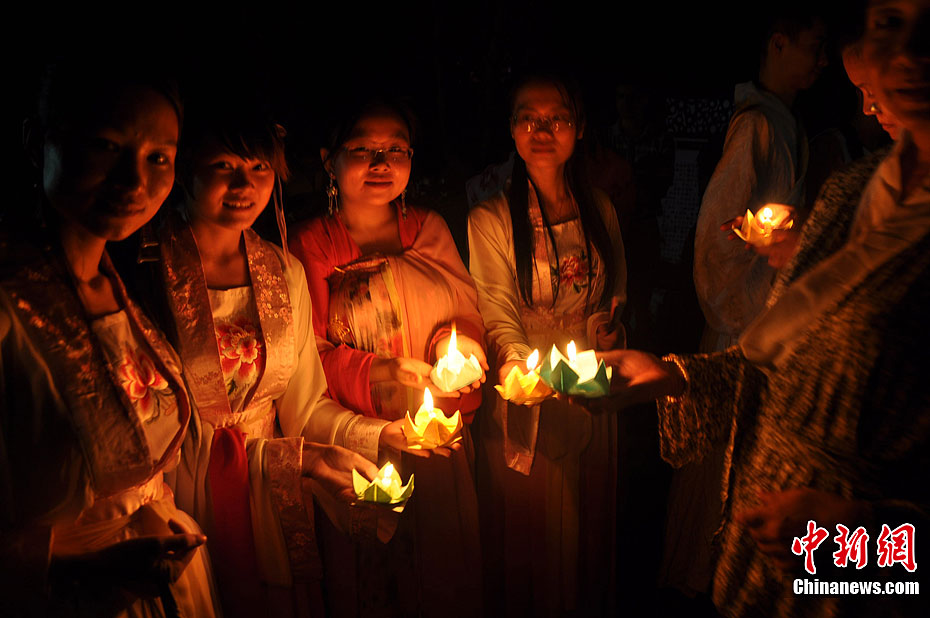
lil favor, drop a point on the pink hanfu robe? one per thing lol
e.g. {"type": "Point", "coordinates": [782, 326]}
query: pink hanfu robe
{"type": "Point", "coordinates": [398, 305]}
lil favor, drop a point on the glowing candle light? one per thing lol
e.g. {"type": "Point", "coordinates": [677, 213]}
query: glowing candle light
{"type": "Point", "coordinates": [532, 360]}
{"type": "Point", "coordinates": [525, 388]}
{"type": "Point", "coordinates": [579, 374]}
{"type": "Point", "coordinates": [386, 488]}
{"type": "Point", "coordinates": [453, 371]}
{"type": "Point", "coordinates": [757, 229]}
{"type": "Point", "coordinates": [431, 428]}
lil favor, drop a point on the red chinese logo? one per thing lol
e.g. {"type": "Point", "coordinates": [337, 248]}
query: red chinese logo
{"type": "Point", "coordinates": [808, 543]}
{"type": "Point", "coordinates": [897, 546]}
{"type": "Point", "coordinates": [851, 548]}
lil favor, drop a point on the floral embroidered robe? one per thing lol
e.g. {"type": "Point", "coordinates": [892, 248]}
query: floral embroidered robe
{"type": "Point", "coordinates": [547, 472]}
{"type": "Point", "coordinates": [399, 305]}
{"type": "Point", "coordinates": [255, 378]}
{"type": "Point", "coordinates": [92, 414]}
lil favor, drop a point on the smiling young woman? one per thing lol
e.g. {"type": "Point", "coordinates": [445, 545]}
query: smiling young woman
{"type": "Point", "coordinates": [388, 285]}
{"type": "Point", "coordinates": [93, 409]}
{"type": "Point", "coordinates": [549, 265]}
{"type": "Point", "coordinates": [237, 309]}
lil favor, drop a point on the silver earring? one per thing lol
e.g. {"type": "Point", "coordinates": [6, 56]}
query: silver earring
{"type": "Point", "coordinates": [332, 195]}
{"type": "Point", "coordinates": [874, 108]}
{"type": "Point", "coordinates": [403, 203]}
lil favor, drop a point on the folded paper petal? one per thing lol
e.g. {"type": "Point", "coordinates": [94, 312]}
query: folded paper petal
{"type": "Point", "coordinates": [424, 432]}
{"type": "Point", "coordinates": [526, 389]}
{"type": "Point", "coordinates": [449, 375]}
{"type": "Point", "coordinates": [557, 373]}
{"type": "Point", "coordinates": [374, 491]}
{"type": "Point", "coordinates": [756, 234]}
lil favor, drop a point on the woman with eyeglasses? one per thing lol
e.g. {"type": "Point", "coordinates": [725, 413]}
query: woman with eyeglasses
{"type": "Point", "coordinates": [237, 309]}
{"type": "Point", "coordinates": [93, 410]}
{"type": "Point", "coordinates": [388, 286]}
{"type": "Point", "coordinates": [547, 258]}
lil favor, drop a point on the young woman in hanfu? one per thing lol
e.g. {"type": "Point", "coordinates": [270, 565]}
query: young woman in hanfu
{"type": "Point", "coordinates": [547, 258]}
{"type": "Point", "coordinates": [92, 407]}
{"type": "Point", "coordinates": [388, 285]}
{"type": "Point", "coordinates": [240, 311]}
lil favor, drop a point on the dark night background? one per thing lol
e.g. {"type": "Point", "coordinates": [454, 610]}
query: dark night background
{"type": "Point", "coordinates": [454, 62]}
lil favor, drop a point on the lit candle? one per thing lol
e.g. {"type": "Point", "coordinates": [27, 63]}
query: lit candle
{"type": "Point", "coordinates": [757, 229]}
{"type": "Point", "coordinates": [386, 488]}
{"type": "Point", "coordinates": [385, 476]}
{"type": "Point", "coordinates": [579, 374]}
{"type": "Point", "coordinates": [453, 371]}
{"type": "Point", "coordinates": [524, 388]}
{"type": "Point", "coordinates": [431, 428]}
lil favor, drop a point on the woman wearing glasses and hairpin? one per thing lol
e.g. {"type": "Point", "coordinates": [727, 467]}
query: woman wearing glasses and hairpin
{"type": "Point", "coordinates": [548, 261]}
{"type": "Point", "coordinates": [388, 286]}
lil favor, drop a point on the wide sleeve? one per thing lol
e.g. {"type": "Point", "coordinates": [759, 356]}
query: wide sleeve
{"type": "Point", "coordinates": [434, 245]}
{"type": "Point", "coordinates": [490, 248]}
{"type": "Point", "coordinates": [347, 369]}
{"type": "Point", "coordinates": [719, 385]}
{"type": "Point", "coordinates": [43, 479]}
{"type": "Point", "coordinates": [732, 284]}
{"type": "Point", "coordinates": [317, 417]}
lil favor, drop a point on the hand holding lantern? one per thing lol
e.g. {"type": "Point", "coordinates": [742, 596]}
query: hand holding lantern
{"type": "Point", "coordinates": [579, 374]}
{"type": "Point", "coordinates": [525, 388]}
{"type": "Point", "coordinates": [431, 428]}
{"type": "Point", "coordinates": [453, 371]}
{"type": "Point", "coordinates": [385, 488]}
{"type": "Point", "coordinates": [757, 230]}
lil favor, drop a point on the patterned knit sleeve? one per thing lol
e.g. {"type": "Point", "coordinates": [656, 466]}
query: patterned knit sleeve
{"type": "Point", "coordinates": [718, 386]}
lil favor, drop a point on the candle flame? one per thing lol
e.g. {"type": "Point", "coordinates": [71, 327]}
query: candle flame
{"type": "Point", "coordinates": [571, 351]}
{"type": "Point", "coordinates": [533, 360]}
{"type": "Point", "coordinates": [452, 341]}
{"type": "Point", "coordinates": [766, 215]}
{"type": "Point", "coordinates": [427, 399]}
{"type": "Point", "coordinates": [386, 475]}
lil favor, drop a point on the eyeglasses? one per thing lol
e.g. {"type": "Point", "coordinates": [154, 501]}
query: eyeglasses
{"type": "Point", "coordinates": [394, 154]}
{"type": "Point", "coordinates": [530, 123]}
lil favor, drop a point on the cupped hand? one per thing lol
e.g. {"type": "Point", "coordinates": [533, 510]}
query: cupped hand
{"type": "Point", "coordinates": [392, 436]}
{"type": "Point", "coordinates": [331, 467]}
{"type": "Point", "coordinates": [782, 248]}
{"type": "Point", "coordinates": [783, 515]}
{"type": "Point", "coordinates": [467, 346]}
{"type": "Point", "coordinates": [639, 377]}
{"type": "Point", "coordinates": [139, 565]}
{"type": "Point", "coordinates": [507, 367]}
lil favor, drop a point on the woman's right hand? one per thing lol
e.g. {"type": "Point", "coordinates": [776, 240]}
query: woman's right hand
{"type": "Point", "coordinates": [407, 371]}
{"type": "Point", "coordinates": [140, 565]}
{"type": "Point", "coordinates": [392, 436]}
{"type": "Point", "coordinates": [639, 377]}
{"type": "Point", "coordinates": [507, 367]}
{"type": "Point", "coordinates": [331, 467]}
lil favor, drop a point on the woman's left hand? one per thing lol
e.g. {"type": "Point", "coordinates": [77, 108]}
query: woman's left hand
{"type": "Point", "coordinates": [783, 515]}
{"type": "Point", "coordinates": [467, 346]}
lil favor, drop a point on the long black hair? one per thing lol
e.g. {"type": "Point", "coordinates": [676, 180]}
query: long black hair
{"type": "Point", "coordinates": [593, 226]}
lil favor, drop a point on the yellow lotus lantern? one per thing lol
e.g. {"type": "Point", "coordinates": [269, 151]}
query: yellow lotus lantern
{"type": "Point", "coordinates": [453, 371]}
{"type": "Point", "coordinates": [525, 389]}
{"type": "Point", "coordinates": [757, 229]}
{"type": "Point", "coordinates": [385, 488]}
{"type": "Point", "coordinates": [430, 428]}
